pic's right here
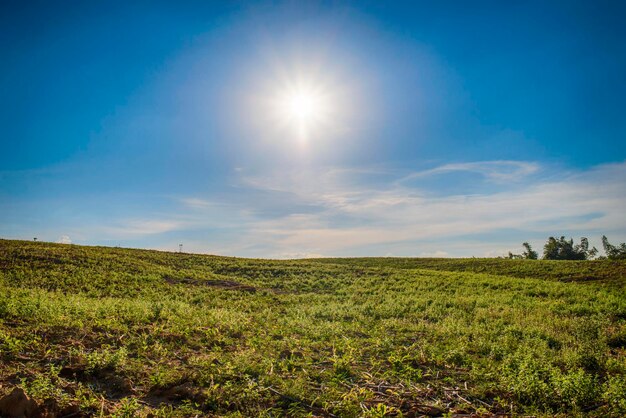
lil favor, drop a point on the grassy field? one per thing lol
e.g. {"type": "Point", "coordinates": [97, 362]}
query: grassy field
{"type": "Point", "coordinates": [117, 332]}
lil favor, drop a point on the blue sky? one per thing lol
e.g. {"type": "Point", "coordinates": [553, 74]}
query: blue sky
{"type": "Point", "coordinates": [445, 128]}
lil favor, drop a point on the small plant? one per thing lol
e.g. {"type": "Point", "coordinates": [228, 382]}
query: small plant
{"type": "Point", "coordinates": [126, 408]}
{"type": "Point", "coordinates": [107, 358]}
{"type": "Point", "coordinates": [380, 411]}
{"type": "Point", "coordinates": [10, 345]}
{"type": "Point", "coordinates": [43, 387]}
{"type": "Point", "coordinates": [615, 394]}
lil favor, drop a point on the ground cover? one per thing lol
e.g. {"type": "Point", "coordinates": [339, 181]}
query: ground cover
{"type": "Point", "coordinates": [121, 332]}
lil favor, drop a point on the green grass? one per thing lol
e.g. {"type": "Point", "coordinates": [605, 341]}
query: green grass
{"type": "Point", "coordinates": [144, 333]}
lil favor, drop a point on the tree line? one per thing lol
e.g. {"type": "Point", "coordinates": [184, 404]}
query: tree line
{"type": "Point", "coordinates": [563, 249]}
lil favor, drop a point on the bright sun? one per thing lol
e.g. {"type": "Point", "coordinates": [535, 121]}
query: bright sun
{"type": "Point", "coordinates": [302, 103]}
{"type": "Point", "coordinates": [302, 106]}
{"type": "Point", "coordinates": [303, 109]}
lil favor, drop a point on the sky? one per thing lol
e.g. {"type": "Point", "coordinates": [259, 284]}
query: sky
{"type": "Point", "coordinates": [288, 129]}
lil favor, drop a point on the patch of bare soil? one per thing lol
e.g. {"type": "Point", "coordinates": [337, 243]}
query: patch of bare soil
{"type": "Point", "coordinates": [174, 393]}
{"type": "Point", "coordinates": [106, 381]}
{"type": "Point", "coordinates": [18, 405]}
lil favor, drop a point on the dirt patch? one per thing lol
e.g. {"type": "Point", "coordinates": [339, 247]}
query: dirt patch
{"type": "Point", "coordinates": [569, 279]}
{"type": "Point", "coordinates": [175, 393]}
{"type": "Point", "coordinates": [222, 284]}
{"type": "Point", "coordinates": [18, 404]}
{"type": "Point", "coordinates": [106, 381]}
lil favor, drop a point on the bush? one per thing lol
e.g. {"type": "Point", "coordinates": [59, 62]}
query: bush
{"type": "Point", "coordinates": [614, 252]}
{"type": "Point", "coordinates": [529, 254]}
{"type": "Point", "coordinates": [562, 249]}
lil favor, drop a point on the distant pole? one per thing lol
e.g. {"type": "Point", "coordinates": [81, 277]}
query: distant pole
{"type": "Point", "coordinates": [180, 248]}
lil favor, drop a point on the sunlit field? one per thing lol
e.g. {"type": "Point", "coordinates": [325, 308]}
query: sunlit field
{"type": "Point", "coordinates": [118, 332]}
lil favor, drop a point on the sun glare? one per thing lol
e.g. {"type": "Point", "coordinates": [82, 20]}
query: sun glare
{"type": "Point", "coordinates": [303, 109]}
{"type": "Point", "coordinates": [302, 106]}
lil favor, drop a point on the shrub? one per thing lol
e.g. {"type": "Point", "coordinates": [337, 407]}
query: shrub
{"type": "Point", "coordinates": [614, 252]}
{"type": "Point", "coordinates": [562, 249]}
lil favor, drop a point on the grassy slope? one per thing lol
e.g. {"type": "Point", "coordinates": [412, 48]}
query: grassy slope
{"type": "Point", "coordinates": [611, 272]}
{"type": "Point", "coordinates": [123, 332]}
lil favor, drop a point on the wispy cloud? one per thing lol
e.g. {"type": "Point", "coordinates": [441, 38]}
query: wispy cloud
{"type": "Point", "coordinates": [361, 211]}
{"type": "Point", "coordinates": [498, 171]}
{"type": "Point", "coordinates": [196, 203]}
{"type": "Point", "coordinates": [138, 227]}
{"type": "Point", "coordinates": [342, 212]}
{"type": "Point", "coordinates": [436, 254]}
{"type": "Point", "coordinates": [353, 216]}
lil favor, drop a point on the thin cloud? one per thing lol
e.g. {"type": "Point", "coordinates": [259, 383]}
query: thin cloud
{"type": "Point", "coordinates": [139, 227]}
{"type": "Point", "coordinates": [64, 239]}
{"type": "Point", "coordinates": [352, 218]}
{"type": "Point", "coordinates": [436, 254]}
{"type": "Point", "coordinates": [342, 212]}
{"type": "Point", "coordinates": [196, 203]}
{"type": "Point", "coordinates": [497, 171]}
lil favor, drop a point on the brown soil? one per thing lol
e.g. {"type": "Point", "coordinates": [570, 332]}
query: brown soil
{"type": "Point", "coordinates": [18, 405]}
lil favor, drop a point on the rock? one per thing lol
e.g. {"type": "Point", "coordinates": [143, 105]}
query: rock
{"type": "Point", "coordinates": [18, 405]}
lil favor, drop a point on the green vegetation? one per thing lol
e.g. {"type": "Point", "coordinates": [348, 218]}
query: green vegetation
{"type": "Point", "coordinates": [120, 332]}
{"type": "Point", "coordinates": [528, 254]}
{"type": "Point", "coordinates": [562, 249]}
{"type": "Point", "coordinates": [614, 252]}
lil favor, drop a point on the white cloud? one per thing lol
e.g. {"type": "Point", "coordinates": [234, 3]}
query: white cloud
{"type": "Point", "coordinates": [300, 255]}
{"type": "Point", "coordinates": [495, 253]}
{"type": "Point", "coordinates": [197, 203]}
{"type": "Point", "coordinates": [436, 254]}
{"type": "Point", "coordinates": [64, 239]}
{"type": "Point", "coordinates": [138, 227]}
{"type": "Point", "coordinates": [354, 216]}
{"type": "Point", "coordinates": [497, 171]}
{"type": "Point", "coordinates": [342, 212]}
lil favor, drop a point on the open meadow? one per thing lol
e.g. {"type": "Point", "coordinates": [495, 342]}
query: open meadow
{"type": "Point", "coordinates": [95, 331]}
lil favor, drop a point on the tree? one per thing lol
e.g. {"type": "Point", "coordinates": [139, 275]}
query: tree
{"type": "Point", "coordinates": [562, 249]}
{"type": "Point", "coordinates": [614, 252]}
{"type": "Point", "coordinates": [529, 254]}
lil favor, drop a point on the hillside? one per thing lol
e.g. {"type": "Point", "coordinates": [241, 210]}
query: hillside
{"type": "Point", "coordinates": [110, 331]}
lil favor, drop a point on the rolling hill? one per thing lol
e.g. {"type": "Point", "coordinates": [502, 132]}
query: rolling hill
{"type": "Point", "coordinates": [122, 332]}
